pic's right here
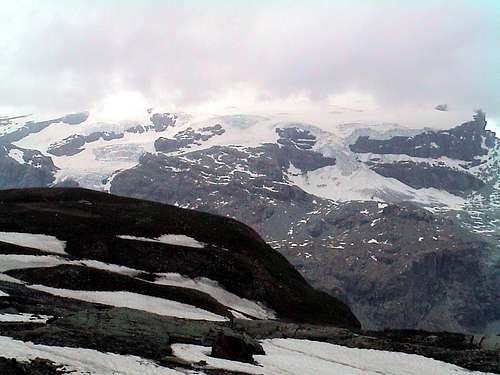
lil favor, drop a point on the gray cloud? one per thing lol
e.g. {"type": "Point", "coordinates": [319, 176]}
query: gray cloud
{"type": "Point", "coordinates": [69, 55]}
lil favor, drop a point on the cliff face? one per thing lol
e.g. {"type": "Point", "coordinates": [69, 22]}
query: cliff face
{"type": "Point", "coordinates": [465, 142]}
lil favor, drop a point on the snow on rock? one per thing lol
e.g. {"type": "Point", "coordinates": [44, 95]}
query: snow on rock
{"type": "Point", "coordinates": [80, 361]}
{"type": "Point", "coordinates": [364, 184]}
{"type": "Point", "coordinates": [17, 155]}
{"type": "Point", "coordinates": [107, 267]}
{"type": "Point", "coordinates": [3, 294]}
{"type": "Point", "coordinates": [135, 301]}
{"type": "Point", "coordinates": [20, 261]}
{"type": "Point", "coordinates": [17, 261]}
{"type": "Point", "coordinates": [170, 239]}
{"type": "Point", "coordinates": [226, 298]}
{"type": "Point", "coordinates": [24, 317]}
{"type": "Point", "coordinates": [36, 241]}
{"type": "Point", "coordinates": [299, 357]}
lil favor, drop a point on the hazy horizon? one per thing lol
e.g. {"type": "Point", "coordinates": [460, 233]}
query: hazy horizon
{"type": "Point", "coordinates": [333, 62]}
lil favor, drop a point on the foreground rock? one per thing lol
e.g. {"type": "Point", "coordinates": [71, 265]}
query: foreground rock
{"type": "Point", "coordinates": [235, 348]}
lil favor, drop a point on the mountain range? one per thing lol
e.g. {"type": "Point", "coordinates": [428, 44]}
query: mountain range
{"type": "Point", "coordinates": [402, 225]}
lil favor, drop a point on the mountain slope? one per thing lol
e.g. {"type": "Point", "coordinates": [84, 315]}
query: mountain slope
{"type": "Point", "coordinates": [87, 286]}
{"type": "Point", "coordinates": [295, 184]}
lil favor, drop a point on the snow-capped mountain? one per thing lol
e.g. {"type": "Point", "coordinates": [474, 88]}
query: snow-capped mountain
{"type": "Point", "coordinates": [362, 211]}
{"type": "Point", "coordinates": [92, 283]}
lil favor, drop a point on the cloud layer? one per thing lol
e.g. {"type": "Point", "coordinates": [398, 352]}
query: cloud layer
{"type": "Point", "coordinates": [63, 56]}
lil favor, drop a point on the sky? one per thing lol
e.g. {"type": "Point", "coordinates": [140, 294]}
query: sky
{"type": "Point", "coordinates": [337, 61]}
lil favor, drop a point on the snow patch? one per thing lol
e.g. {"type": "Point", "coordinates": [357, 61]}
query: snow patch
{"type": "Point", "coordinates": [18, 261]}
{"type": "Point", "coordinates": [170, 239]}
{"type": "Point", "coordinates": [299, 357]}
{"type": "Point", "coordinates": [24, 317]}
{"type": "Point", "coordinates": [81, 361]}
{"type": "Point", "coordinates": [36, 241]}
{"type": "Point", "coordinates": [17, 155]}
{"type": "Point", "coordinates": [135, 301]}
{"type": "Point", "coordinates": [213, 288]}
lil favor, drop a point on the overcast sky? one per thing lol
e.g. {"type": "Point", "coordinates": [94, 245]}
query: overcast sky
{"type": "Point", "coordinates": [334, 58]}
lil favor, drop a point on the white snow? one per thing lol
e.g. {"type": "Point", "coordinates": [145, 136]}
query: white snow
{"type": "Point", "coordinates": [213, 288]}
{"type": "Point", "coordinates": [135, 301]}
{"type": "Point", "coordinates": [170, 239]}
{"type": "Point", "coordinates": [373, 240]}
{"type": "Point", "coordinates": [364, 184]}
{"type": "Point", "coordinates": [300, 357]}
{"type": "Point", "coordinates": [18, 261]}
{"type": "Point", "coordinates": [107, 267]}
{"type": "Point", "coordinates": [36, 241]}
{"type": "Point", "coordinates": [17, 155]}
{"type": "Point", "coordinates": [3, 294]}
{"type": "Point", "coordinates": [84, 361]}
{"type": "Point", "coordinates": [24, 317]}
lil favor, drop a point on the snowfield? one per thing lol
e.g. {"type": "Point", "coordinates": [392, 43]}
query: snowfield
{"type": "Point", "coordinates": [284, 357]}
{"type": "Point", "coordinates": [17, 261]}
{"type": "Point", "coordinates": [35, 241]}
{"type": "Point", "coordinates": [84, 361]}
{"type": "Point", "coordinates": [135, 301]}
{"type": "Point", "coordinates": [213, 289]}
{"type": "Point", "coordinates": [301, 357]}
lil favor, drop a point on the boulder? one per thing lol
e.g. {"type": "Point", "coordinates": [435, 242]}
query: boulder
{"type": "Point", "coordinates": [235, 347]}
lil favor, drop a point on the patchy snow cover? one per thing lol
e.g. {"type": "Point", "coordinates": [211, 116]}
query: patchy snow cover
{"type": "Point", "coordinates": [36, 241]}
{"type": "Point", "coordinates": [364, 184]}
{"type": "Point", "coordinates": [84, 361]}
{"type": "Point", "coordinates": [299, 357]}
{"type": "Point", "coordinates": [3, 294]}
{"type": "Point", "coordinates": [170, 239]}
{"type": "Point", "coordinates": [135, 301]}
{"type": "Point", "coordinates": [24, 317]}
{"type": "Point", "coordinates": [213, 288]}
{"type": "Point", "coordinates": [18, 261]}
{"type": "Point", "coordinates": [17, 155]}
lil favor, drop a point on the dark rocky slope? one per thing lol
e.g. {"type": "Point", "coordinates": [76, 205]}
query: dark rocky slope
{"type": "Point", "coordinates": [235, 256]}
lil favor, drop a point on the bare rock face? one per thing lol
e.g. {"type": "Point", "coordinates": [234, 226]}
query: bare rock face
{"type": "Point", "coordinates": [37, 366]}
{"type": "Point", "coordinates": [423, 175]}
{"type": "Point", "coordinates": [162, 121]}
{"type": "Point", "coordinates": [25, 168]}
{"type": "Point", "coordinates": [187, 138]}
{"type": "Point", "coordinates": [235, 347]}
{"type": "Point", "coordinates": [75, 118]}
{"type": "Point", "coordinates": [465, 142]}
{"type": "Point", "coordinates": [74, 144]}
